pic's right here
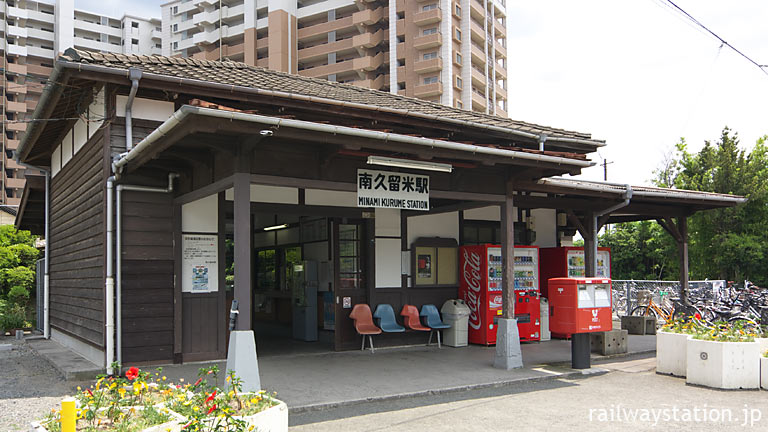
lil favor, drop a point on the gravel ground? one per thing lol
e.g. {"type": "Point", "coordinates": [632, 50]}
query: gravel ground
{"type": "Point", "coordinates": [29, 386]}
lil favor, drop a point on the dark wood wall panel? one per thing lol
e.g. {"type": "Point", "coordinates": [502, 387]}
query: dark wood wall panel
{"type": "Point", "coordinates": [199, 332]}
{"type": "Point", "coordinates": [77, 245]}
{"type": "Point", "coordinates": [147, 276]}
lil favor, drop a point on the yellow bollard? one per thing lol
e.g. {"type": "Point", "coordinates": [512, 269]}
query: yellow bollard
{"type": "Point", "coordinates": [68, 415]}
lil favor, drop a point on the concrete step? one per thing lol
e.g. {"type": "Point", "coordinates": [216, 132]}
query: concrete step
{"type": "Point", "coordinates": [71, 366]}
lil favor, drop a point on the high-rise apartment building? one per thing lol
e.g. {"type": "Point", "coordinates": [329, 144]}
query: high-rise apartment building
{"type": "Point", "coordinates": [33, 33]}
{"type": "Point", "coordinates": [447, 51]}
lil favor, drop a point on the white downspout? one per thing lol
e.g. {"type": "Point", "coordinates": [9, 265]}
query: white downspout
{"type": "Point", "coordinates": [119, 248]}
{"type": "Point", "coordinates": [109, 295]}
{"type": "Point", "coordinates": [134, 74]}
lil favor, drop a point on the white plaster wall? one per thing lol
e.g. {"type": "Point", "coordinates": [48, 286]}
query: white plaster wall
{"type": "Point", "coordinates": [201, 215]}
{"type": "Point", "coordinates": [147, 109]}
{"type": "Point", "coordinates": [79, 135]}
{"type": "Point", "coordinates": [330, 198]}
{"type": "Point", "coordinates": [388, 263]}
{"type": "Point", "coordinates": [387, 222]}
{"type": "Point", "coordinates": [444, 225]}
{"type": "Point", "coordinates": [66, 149]}
{"type": "Point", "coordinates": [56, 161]}
{"type": "Point", "coordinates": [546, 227]}
{"type": "Point", "coordinates": [268, 194]}
{"type": "Point", "coordinates": [490, 213]}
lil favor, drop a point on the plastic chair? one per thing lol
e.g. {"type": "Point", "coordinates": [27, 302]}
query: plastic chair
{"type": "Point", "coordinates": [364, 325]}
{"type": "Point", "coordinates": [433, 321]}
{"type": "Point", "coordinates": [386, 318]}
{"type": "Point", "coordinates": [411, 319]}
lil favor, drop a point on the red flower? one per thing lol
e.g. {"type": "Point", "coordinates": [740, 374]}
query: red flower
{"type": "Point", "coordinates": [210, 398]}
{"type": "Point", "coordinates": [89, 392]}
{"type": "Point", "coordinates": [697, 316]}
{"type": "Point", "coordinates": [199, 380]}
{"type": "Point", "coordinates": [212, 409]}
{"type": "Point", "coordinates": [132, 373]}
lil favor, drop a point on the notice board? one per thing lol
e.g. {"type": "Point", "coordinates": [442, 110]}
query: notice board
{"type": "Point", "coordinates": [200, 263]}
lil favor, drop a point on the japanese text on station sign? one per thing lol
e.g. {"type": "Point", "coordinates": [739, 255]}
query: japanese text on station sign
{"type": "Point", "coordinates": [392, 190]}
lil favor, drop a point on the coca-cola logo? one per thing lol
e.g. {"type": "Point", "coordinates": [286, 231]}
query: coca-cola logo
{"type": "Point", "coordinates": [472, 279]}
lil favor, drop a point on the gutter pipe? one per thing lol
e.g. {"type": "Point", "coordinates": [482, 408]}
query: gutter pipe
{"type": "Point", "coordinates": [47, 234]}
{"type": "Point", "coordinates": [134, 74]}
{"type": "Point", "coordinates": [109, 294]}
{"type": "Point", "coordinates": [119, 246]}
{"type": "Point", "coordinates": [185, 111]}
{"type": "Point", "coordinates": [237, 89]}
{"type": "Point", "coordinates": [595, 216]}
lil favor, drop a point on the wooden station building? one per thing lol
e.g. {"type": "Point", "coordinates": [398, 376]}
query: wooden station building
{"type": "Point", "coordinates": [176, 185]}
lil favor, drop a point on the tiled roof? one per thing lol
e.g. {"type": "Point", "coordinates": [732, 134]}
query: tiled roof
{"type": "Point", "coordinates": [241, 74]}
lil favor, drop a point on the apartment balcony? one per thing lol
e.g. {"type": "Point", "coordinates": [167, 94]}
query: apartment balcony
{"type": "Point", "coordinates": [96, 28]}
{"type": "Point", "coordinates": [230, 51]}
{"type": "Point", "coordinates": [39, 70]}
{"type": "Point", "coordinates": [16, 88]}
{"type": "Point", "coordinates": [17, 50]}
{"type": "Point", "coordinates": [156, 34]}
{"type": "Point", "coordinates": [31, 104]}
{"type": "Point", "coordinates": [369, 16]}
{"type": "Point", "coordinates": [401, 72]}
{"type": "Point", "coordinates": [428, 17]}
{"type": "Point", "coordinates": [11, 144]}
{"type": "Point", "coordinates": [17, 68]}
{"type": "Point", "coordinates": [193, 5]}
{"type": "Point", "coordinates": [501, 52]}
{"type": "Point", "coordinates": [264, 62]}
{"type": "Point", "coordinates": [375, 83]}
{"type": "Point", "coordinates": [323, 28]}
{"type": "Point", "coordinates": [16, 12]}
{"type": "Point", "coordinates": [322, 50]}
{"type": "Point", "coordinates": [15, 183]}
{"type": "Point", "coordinates": [499, 29]}
{"type": "Point", "coordinates": [94, 45]}
{"type": "Point", "coordinates": [368, 63]}
{"type": "Point", "coordinates": [479, 101]}
{"type": "Point", "coordinates": [428, 41]}
{"type": "Point", "coordinates": [369, 40]}
{"type": "Point", "coordinates": [40, 16]}
{"type": "Point", "coordinates": [41, 34]}
{"type": "Point", "coordinates": [186, 44]}
{"type": "Point", "coordinates": [478, 55]}
{"type": "Point", "coordinates": [16, 126]}
{"type": "Point", "coordinates": [11, 164]}
{"type": "Point", "coordinates": [17, 31]}
{"type": "Point", "coordinates": [13, 201]}
{"type": "Point", "coordinates": [476, 9]}
{"type": "Point", "coordinates": [478, 77]}
{"type": "Point", "coordinates": [477, 30]}
{"type": "Point", "coordinates": [16, 107]}
{"type": "Point", "coordinates": [425, 66]}
{"type": "Point", "coordinates": [400, 51]}
{"type": "Point", "coordinates": [428, 90]}
{"type": "Point", "coordinates": [500, 92]}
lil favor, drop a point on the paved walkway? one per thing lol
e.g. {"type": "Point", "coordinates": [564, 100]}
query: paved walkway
{"type": "Point", "coordinates": [321, 381]}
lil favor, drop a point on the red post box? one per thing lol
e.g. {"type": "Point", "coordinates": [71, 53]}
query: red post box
{"type": "Point", "coordinates": [580, 305]}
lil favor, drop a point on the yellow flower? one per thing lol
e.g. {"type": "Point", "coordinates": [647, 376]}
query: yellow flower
{"type": "Point", "coordinates": [195, 409]}
{"type": "Point", "coordinates": [254, 401]}
{"type": "Point", "coordinates": [121, 391]}
{"type": "Point", "coordinates": [164, 378]}
{"type": "Point", "coordinates": [228, 378]}
{"type": "Point", "coordinates": [78, 388]}
{"type": "Point", "coordinates": [231, 393]}
{"type": "Point", "coordinates": [250, 428]}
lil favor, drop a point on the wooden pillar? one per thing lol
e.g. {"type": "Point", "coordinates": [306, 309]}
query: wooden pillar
{"type": "Point", "coordinates": [590, 245]}
{"type": "Point", "coordinates": [243, 261]}
{"type": "Point", "coordinates": [508, 254]}
{"type": "Point", "coordinates": [682, 246]}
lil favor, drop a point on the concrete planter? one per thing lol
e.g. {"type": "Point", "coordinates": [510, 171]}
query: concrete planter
{"type": "Point", "coordinates": [273, 419]}
{"type": "Point", "coordinates": [764, 373]}
{"type": "Point", "coordinates": [671, 353]}
{"type": "Point", "coordinates": [724, 365]}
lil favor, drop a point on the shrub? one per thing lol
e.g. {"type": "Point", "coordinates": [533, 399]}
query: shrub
{"type": "Point", "coordinates": [13, 317]}
{"type": "Point", "coordinates": [19, 280]}
{"type": "Point", "coordinates": [26, 254]}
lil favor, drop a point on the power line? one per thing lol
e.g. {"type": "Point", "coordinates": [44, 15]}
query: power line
{"type": "Point", "coordinates": [722, 41]}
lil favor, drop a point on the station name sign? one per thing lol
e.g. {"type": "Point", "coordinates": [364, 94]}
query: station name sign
{"type": "Point", "coordinates": [394, 190]}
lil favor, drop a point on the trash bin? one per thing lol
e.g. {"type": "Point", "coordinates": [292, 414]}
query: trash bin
{"type": "Point", "coordinates": [455, 313]}
{"type": "Point", "coordinates": [544, 316]}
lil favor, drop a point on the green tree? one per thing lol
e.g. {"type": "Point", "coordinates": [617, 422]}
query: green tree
{"type": "Point", "coordinates": [641, 250]}
{"type": "Point", "coordinates": [727, 243]}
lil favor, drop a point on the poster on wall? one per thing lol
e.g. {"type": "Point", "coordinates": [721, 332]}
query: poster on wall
{"type": "Point", "coordinates": [200, 263]}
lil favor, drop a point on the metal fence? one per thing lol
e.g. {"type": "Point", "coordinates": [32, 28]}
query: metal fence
{"type": "Point", "coordinates": [625, 292]}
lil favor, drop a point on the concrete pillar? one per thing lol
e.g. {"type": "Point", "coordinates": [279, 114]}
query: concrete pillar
{"type": "Point", "coordinates": [243, 261]}
{"type": "Point", "coordinates": [283, 46]}
{"type": "Point", "coordinates": [508, 354]}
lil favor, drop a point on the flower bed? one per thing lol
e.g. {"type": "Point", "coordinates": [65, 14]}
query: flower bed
{"type": "Point", "coordinates": [141, 401]}
{"type": "Point", "coordinates": [671, 353]}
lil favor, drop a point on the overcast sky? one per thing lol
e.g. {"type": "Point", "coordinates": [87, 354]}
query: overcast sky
{"type": "Point", "coordinates": [631, 72]}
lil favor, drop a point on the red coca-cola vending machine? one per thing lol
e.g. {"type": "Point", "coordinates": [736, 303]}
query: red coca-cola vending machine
{"type": "Point", "coordinates": [481, 286]}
